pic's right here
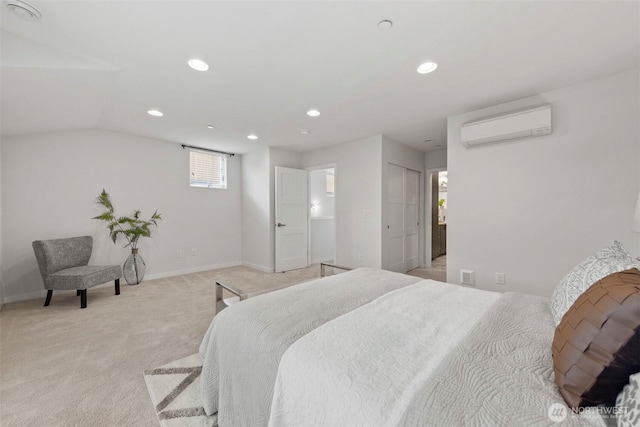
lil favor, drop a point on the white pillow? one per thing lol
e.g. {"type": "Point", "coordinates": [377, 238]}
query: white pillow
{"type": "Point", "coordinates": [610, 260]}
{"type": "Point", "coordinates": [628, 403]}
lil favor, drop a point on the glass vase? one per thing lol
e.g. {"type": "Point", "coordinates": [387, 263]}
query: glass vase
{"type": "Point", "coordinates": [134, 268]}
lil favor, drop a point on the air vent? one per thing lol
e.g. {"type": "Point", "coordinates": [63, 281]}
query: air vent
{"type": "Point", "coordinates": [23, 10]}
{"type": "Point", "coordinates": [467, 277]}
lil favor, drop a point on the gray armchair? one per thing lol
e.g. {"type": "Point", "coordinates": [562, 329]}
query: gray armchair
{"type": "Point", "coordinates": [64, 265]}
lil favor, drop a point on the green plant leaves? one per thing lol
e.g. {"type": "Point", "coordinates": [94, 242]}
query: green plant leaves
{"type": "Point", "coordinates": [132, 228]}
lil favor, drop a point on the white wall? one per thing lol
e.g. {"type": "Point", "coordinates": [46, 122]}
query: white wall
{"type": "Point", "coordinates": [256, 202]}
{"type": "Point", "coordinates": [322, 232]}
{"type": "Point", "coordinates": [50, 182]}
{"type": "Point", "coordinates": [358, 198]}
{"type": "Point", "coordinates": [535, 208]}
{"type": "Point", "coordinates": [401, 155]}
{"type": "Point", "coordinates": [435, 160]}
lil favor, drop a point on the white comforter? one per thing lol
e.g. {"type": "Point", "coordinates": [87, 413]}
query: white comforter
{"type": "Point", "coordinates": [374, 348]}
{"type": "Point", "coordinates": [367, 365]}
{"type": "Point", "coordinates": [243, 346]}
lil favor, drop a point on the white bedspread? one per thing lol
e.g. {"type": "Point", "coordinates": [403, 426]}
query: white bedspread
{"type": "Point", "coordinates": [367, 364]}
{"type": "Point", "coordinates": [244, 344]}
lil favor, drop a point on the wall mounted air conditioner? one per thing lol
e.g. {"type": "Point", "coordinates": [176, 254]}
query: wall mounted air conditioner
{"type": "Point", "coordinates": [506, 127]}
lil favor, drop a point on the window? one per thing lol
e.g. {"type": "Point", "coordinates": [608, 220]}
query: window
{"type": "Point", "coordinates": [207, 170]}
{"type": "Point", "coordinates": [330, 185]}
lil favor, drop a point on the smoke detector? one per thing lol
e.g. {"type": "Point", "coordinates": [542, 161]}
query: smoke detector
{"type": "Point", "coordinates": [23, 10]}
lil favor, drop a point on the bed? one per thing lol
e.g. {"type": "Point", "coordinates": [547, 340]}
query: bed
{"type": "Point", "coordinates": [375, 348]}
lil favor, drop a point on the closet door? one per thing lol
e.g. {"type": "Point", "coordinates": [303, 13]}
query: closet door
{"type": "Point", "coordinates": [395, 245]}
{"type": "Point", "coordinates": [411, 219]}
{"type": "Point", "coordinates": [402, 243]}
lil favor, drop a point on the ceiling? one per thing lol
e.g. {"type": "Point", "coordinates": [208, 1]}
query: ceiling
{"type": "Point", "coordinates": [103, 64]}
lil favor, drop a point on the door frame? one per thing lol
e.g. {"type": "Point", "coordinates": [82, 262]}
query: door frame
{"type": "Point", "coordinates": [333, 166]}
{"type": "Point", "coordinates": [427, 215]}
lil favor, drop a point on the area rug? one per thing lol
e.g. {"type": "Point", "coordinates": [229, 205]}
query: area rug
{"type": "Point", "coordinates": [175, 392]}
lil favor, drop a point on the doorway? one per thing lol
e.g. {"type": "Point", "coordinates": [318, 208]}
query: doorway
{"type": "Point", "coordinates": [439, 182]}
{"type": "Point", "coordinates": [322, 220]}
{"type": "Point", "coordinates": [435, 261]}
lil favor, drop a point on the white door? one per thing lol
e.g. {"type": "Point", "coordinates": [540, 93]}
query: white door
{"type": "Point", "coordinates": [292, 223]}
{"type": "Point", "coordinates": [411, 219]}
{"type": "Point", "coordinates": [403, 209]}
{"type": "Point", "coordinates": [395, 245]}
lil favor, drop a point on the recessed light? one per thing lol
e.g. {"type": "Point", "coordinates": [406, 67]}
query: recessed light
{"type": "Point", "coordinates": [428, 141]}
{"type": "Point", "coordinates": [155, 113]}
{"type": "Point", "coordinates": [305, 131]}
{"type": "Point", "coordinates": [23, 10]}
{"type": "Point", "coordinates": [252, 136]}
{"type": "Point", "coordinates": [198, 64]}
{"type": "Point", "coordinates": [427, 67]}
{"type": "Point", "coordinates": [385, 24]}
{"type": "Point", "coordinates": [209, 126]}
{"type": "Point", "coordinates": [313, 113]}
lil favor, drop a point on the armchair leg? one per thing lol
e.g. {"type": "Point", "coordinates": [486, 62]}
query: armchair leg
{"type": "Point", "coordinates": [83, 298]}
{"type": "Point", "coordinates": [117, 286]}
{"type": "Point", "coordinates": [48, 300]}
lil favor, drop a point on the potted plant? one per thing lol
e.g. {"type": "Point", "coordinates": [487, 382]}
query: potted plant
{"type": "Point", "coordinates": [132, 228]}
{"type": "Point", "coordinates": [441, 215]}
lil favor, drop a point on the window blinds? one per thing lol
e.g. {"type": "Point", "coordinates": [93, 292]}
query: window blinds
{"type": "Point", "coordinates": [208, 170]}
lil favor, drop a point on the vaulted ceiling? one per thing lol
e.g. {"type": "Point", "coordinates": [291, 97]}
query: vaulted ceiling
{"type": "Point", "coordinates": [103, 64]}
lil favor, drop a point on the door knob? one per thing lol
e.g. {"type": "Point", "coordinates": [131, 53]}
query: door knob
{"type": "Point", "coordinates": [281, 225]}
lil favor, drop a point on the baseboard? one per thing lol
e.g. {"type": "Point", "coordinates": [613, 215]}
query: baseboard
{"type": "Point", "coordinates": [43, 293]}
{"type": "Point", "coordinates": [259, 267]}
{"type": "Point", "coordinates": [319, 260]}
{"type": "Point", "coordinates": [191, 270]}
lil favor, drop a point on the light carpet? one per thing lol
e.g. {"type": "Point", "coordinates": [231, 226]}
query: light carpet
{"type": "Point", "coordinates": [437, 271]}
{"type": "Point", "coordinates": [63, 366]}
{"type": "Point", "coordinates": [175, 392]}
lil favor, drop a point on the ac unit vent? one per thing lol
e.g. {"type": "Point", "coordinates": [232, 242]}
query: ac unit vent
{"type": "Point", "coordinates": [527, 123]}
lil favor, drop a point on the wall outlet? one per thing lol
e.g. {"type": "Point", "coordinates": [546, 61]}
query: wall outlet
{"type": "Point", "coordinates": [194, 252]}
{"type": "Point", "coordinates": [179, 253]}
{"type": "Point", "coordinates": [500, 279]}
{"type": "Point", "coordinates": [467, 277]}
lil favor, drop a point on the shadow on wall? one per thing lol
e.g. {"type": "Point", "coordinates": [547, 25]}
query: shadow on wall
{"type": "Point", "coordinates": [23, 278]}
{"type": "Point", "coordinates": [104, 250]}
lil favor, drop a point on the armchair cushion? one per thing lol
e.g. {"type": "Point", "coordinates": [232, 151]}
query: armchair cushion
{"type": "Point", "coordinates": [83, 277]}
